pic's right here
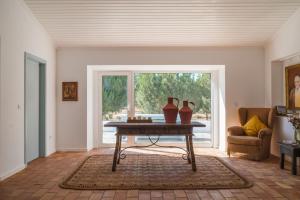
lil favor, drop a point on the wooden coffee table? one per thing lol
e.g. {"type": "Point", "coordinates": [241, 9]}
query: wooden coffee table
{"type": "Point", "coordinates": [154, 129]}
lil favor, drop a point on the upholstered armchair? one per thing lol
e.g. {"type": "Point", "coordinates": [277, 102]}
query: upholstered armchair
{"type": "Point", "coordinates": [256, 148]}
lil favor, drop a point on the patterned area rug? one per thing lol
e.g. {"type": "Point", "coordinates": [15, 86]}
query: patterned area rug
{"type": "Point", "coordinates": [153, 172]}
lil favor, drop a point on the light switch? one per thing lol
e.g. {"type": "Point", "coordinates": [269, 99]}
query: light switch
{"type": "Point", "coordinates": [236, 104]}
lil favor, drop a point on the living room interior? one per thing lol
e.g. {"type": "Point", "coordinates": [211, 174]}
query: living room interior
{"type": "Point", "coordinates": [156, 99]}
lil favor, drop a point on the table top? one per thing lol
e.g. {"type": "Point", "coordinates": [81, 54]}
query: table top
{"type": "Point", "coordinates": [153, 124]}
{"type": "Point", "coordinates": [291, 146]}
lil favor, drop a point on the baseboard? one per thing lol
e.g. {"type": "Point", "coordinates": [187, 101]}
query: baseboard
{"type": "Point", "coordinates": [90, 148]}
{"type": "Point", "coordinates": [12, 172]}
{"type": "Point", "coordinates": [50, 154]}
{"type": "Point", "coordinates": [71, 149]}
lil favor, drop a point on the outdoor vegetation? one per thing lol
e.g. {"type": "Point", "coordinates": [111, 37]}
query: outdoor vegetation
{"type": "Point", "coordinates": [153, 89]}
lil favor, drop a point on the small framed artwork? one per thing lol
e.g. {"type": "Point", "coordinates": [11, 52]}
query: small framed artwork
{"type": "Point", "coordinates": [292, 86]}
{"type": "Point", "coordinates": [70, 91]}
{"type": "Point", "coordinates": [281, 110]}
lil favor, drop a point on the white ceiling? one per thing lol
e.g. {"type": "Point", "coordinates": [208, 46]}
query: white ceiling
{"type": "Point", "coordinates": [162, 22]}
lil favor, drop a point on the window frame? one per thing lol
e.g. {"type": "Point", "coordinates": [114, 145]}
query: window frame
{"type": "Point", "coordinates": [131, 105]}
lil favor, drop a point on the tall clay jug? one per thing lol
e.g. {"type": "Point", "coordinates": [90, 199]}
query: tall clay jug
{"type": "Point", "coordinates": [171, 110]}
{"type": "Point", "coordinates": [186, 112]}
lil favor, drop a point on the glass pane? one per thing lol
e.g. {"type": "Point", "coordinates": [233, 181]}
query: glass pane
{"type": "Point", "coordinates": [114, 105]}
{"type": "Point", "coordinates": [151, 93]}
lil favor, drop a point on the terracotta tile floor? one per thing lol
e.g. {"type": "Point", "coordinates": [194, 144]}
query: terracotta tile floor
{"type": "Point", "coordinates": [40, 181]}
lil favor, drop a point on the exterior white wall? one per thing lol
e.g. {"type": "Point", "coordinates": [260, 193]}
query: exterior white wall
{"type": "Point", "coordinates": [244, 74]}
{"type": "Point", "coordinates": [20, 32]}
{"type": "Point", "coordinates": [282, 50]}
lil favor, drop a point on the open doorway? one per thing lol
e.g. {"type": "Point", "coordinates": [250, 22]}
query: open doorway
{"type": "Point", "coordinates": [101, 80]}
{"type": "Point", "coordinates": [35, 107]}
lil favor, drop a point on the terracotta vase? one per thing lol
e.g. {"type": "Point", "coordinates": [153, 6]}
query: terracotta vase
{"type": "Point", "coordinates": [171, 110]}
{"type": "Point", "coordinates": [186, 112]}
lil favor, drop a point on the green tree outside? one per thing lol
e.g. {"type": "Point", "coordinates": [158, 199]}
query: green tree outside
{"type": "Point", "coordinates": [114, 95]}
{"type": "Point", "coordinates": [153, 89]}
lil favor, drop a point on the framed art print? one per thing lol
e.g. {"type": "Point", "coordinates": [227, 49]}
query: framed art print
{"type": "Point", "coordinates": [292, 86]}
{"type": "Point", "coordinates": [70, 91]}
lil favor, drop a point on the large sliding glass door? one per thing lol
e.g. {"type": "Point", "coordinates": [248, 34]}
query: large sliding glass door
{"type": "Point", "coordinates": [126, 94]}
{"type": "Point", "coordinates": [114, 100]}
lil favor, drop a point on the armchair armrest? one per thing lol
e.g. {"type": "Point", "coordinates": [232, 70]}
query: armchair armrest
{"type": "Point", "coordinates": [236, 131]}
{"type": "Point", "coordinates": [265, 135]}
{"type": "Point", "coordinates": [265, 132]}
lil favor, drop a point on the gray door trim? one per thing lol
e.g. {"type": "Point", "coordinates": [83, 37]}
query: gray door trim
{"type": "Point", "coordinates": [42, 104]}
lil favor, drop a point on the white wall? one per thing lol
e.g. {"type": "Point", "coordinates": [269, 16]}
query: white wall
{"type": "Point", "coordinates": [20, 32]}
{"type": "Point", "coordinates": [283, 45]}
{"type": "Point", "coordinates": [282, 50]}
{"type": "Point", "coordinates": [244, 79]}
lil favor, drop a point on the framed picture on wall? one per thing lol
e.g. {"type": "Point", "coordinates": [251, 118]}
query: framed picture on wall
{"type": "Point", "coordinates": [292, 86]}
{"type": "Point", "coordinates": [70, 91]}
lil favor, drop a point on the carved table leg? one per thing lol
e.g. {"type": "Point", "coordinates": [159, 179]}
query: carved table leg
{"type": "Point", "coordinates": [188, 149]}
{"type": "Point", "coordinates": [119, 149]}
{"type": "Point", "coordinates": [282, 161]}
{"type": "Point", "coordinates": [116, 153]}
{"type": "Point", "coordinates": [294, 164]}
{"type": "Point", "coordinates": [192, 153]}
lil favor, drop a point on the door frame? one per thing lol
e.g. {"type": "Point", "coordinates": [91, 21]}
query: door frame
{"type": "Point", "coordinates": [42, 104]}
{"type": "Point", "coordinates": [218, 97]}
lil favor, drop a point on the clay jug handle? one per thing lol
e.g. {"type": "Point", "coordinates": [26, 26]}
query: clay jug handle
{"type": "Point", "coordinates": [177, 101]}
{"type": "Point", "coordinates": [192, 104]}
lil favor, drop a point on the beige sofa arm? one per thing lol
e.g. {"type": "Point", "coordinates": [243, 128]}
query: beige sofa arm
{"type": "Point", "coordinates": [264, 133]}
{"type": "Point", "coordinates": [236, 131]}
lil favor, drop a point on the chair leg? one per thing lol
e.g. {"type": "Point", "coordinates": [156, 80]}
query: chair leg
{"type": "Point", "coordinates": [228, 152]}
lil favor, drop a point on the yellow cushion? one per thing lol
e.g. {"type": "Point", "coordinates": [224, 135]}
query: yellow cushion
{"type": "Point", "coordinates": [253, 126]}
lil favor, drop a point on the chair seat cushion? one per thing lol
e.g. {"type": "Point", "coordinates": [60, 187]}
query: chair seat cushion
{"type": "Point", "coordinates": [244, 140]}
